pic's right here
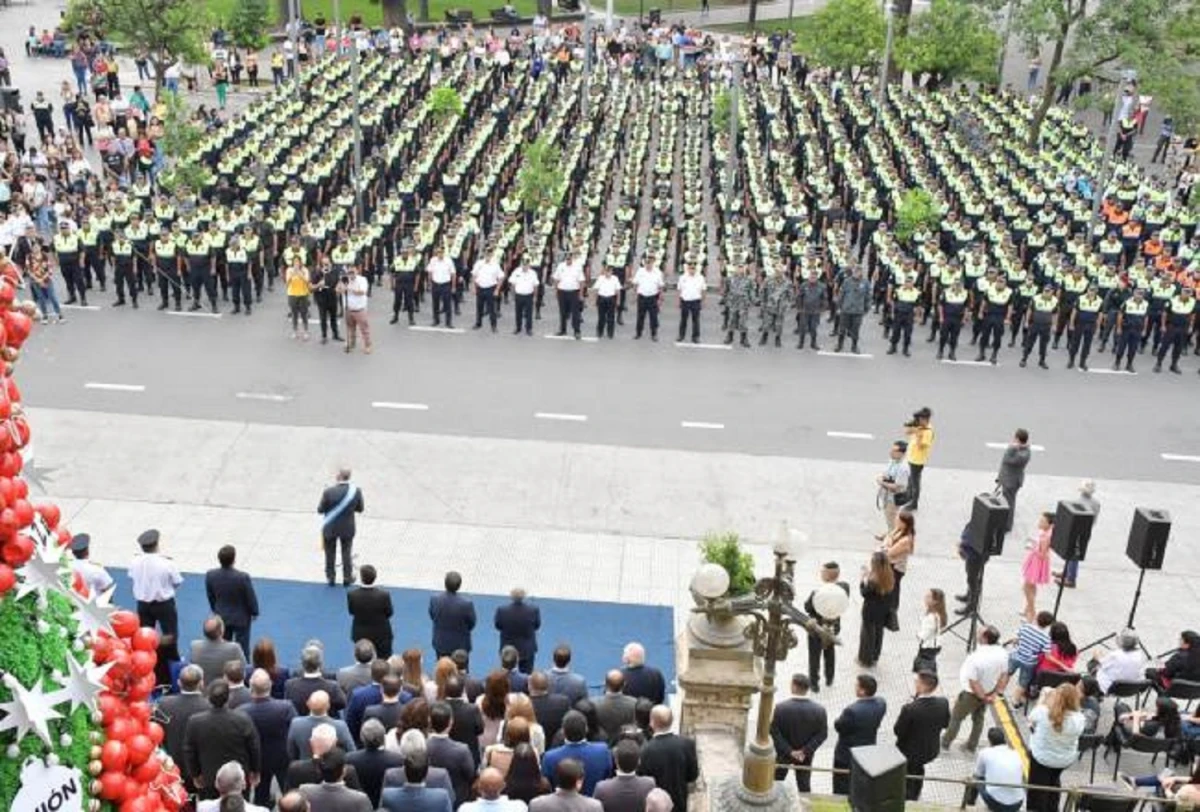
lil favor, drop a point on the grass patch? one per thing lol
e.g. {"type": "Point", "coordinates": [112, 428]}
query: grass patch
{"type": "Point", "coordinates": [797, 24]}
{"type": "Point", "coordinates": [372, 12]}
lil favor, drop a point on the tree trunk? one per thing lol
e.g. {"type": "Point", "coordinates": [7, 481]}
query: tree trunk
{"type": "Point", "coordinates": [901, 13]}
{"type": "Point", "coordinates": [395, 13]}
{"type": "Point", "coordinates": [424, 14]}
{"type": "Point", "coordinates": [753, 14]}
{"type": "Point", "coordinates": [1051, 88]}
{"type": "Point", "coordinates": [159, 60]}
{"type": "Point", "coordinates": [282, 12]}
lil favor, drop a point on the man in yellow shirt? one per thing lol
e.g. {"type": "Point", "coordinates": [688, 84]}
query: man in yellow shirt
{"type": "Point", "coordinates": [920, 443]}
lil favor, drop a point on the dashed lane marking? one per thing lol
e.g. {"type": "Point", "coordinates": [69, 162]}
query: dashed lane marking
{"type": "Point", "coordinates": [697, 424]}
{"type": "Point", "coordinates": [195, 314]}
{"type": "Point", "coordinates": [263, 396]}
{"type": "Point", "coordinates": [570, 418]}
{"type": "Point", "coordinates": [971, 363]}
{"type": "Point", "coordinates": [1002, 446]}
{"type": "Point", "coordinates": [429, 328]}
{"type": "Point", "coordinates": [115, 387]}
{"type": "Point", "coordinates": [403, 407]}
{"type": "Point", "coordinates": [556, 337]}
{"type": "Point", "coordinates": [850, 435]}
{"type": "Point", "coordinates": [1180, 457]}
{"type": "Point", "coordinates": [79, 307]}
{"type": "Point", "coordinates": [861, 356]}
{"type": "Point", "coordinates": [687, 345]}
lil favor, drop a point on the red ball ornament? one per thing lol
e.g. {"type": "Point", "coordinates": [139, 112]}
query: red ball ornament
{"type": "Point", "coordinates": [7, 494]}
{"type": "Point", "coordinates": [8, 517]}
{"type": "Point", "coordinates": [63, 536]}
{"type": "Point", "coordinates": [10, 464]}
{"type": "Point", "coordinates": [20, 486]}
{"type": "Point", "coordinates": [21, 425]}
{"type": "Point", "coordinates": [101, 651]}
{"type": "Point", "coordinates": [18, 550]}
{"type": "Point", "coordinates": [119, 729]}
{"type": "Point", "coordinates": [142, 662]}
{"type": "Point", "coordinates": [110, 707]}
{"type": "Point", "coordinates": [142, 688]}
{"type": "Point", "coordinates": [124, 623]}
{"type": "Point", "coordinates": [140, 747]}
{"type": "Point", "coordinates": [23, 511]}
{"type": "Point", "coordinates": [7, 578]}
{"type": "Point", "coordinates": [140, 713]}
{"type": "Point", "coordinates": [50, 514]}
{"type": "Point", "coordinates": [134, 791]}
{"type": "Point", "coordinates": [14, 392]}
{"type": "Point", "coordinates": [112, 785]}
{"type": "Point", "coordinates": [114, 755]}
{"type": "Point", "coordinates": [145, 639]}
{"type": "Point", "coordinates": [17, 325]}
{"type": "Point", "coordinates": [156, 733]}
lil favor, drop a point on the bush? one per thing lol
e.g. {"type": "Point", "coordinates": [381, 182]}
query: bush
{"type": "Point", "coordinates": [725, 549]}
{"type": "Point", "coordinates": [916, 210]}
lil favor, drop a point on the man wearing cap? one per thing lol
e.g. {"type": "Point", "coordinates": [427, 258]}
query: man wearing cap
{"type": "Point", "coordinates": [1131, 327]}
{"type": "Point", "coordinates": [1087, 497]}
{"type": "Point", "coordinates": [1038, 324]}
{"type": "Point", "coordinates": [94, 576]}
{"type": "Point", "coordinates": [404, 283]}
{"type": "Point", "coordinates": [524, 283]}
{"type": "Point", "coordinates": [1178, 321]}
{"type": "Point", "coordinates": [1083, 326]}
{"type": "Point", "coordinates": [155, 578]}
{"type": "Point", "coordinates": [67, 251]}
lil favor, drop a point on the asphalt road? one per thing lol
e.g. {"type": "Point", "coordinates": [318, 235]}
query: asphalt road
{"type": "Point", "coordinates": [620, 392]}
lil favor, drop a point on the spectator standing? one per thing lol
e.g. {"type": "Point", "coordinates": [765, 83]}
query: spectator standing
{"type": "Point", "coordinates": [642, 681]}
{"type": "Point", "coordinates": [312, 678]}
{"type": "Point", "coordinates": [1162, 146]}
{"type": "Point", "coordinates": [332, 794]}
{"type": "Point", "coordinates": [308, 770]}
{"type": "Point", "coordinates": [177, 709]}
{"type": "Point", "coordinates": [626, 791]}
{"type": "Point", "coordinates": [371, 611]}
{"type": "Point", "coordinates": [825, 605]}
{"type": "Point", "coordinates": [359, 672]}
{"type": "Point", "coordinates": [594, 757]}
{"type": "Point", "coordinates": [272, 718]}
{"type": "Point", "coordinates": [373, 761]}
{"type": "Point", "coordinates": [569, 780]}
{"type": "Point", "coordinates": [453, 618]}
{"type": "Point", "coordinates": [982, 678]}
{"type": "Point", "coordinates": [893, 484]}
{"type": "Point", "coordinates": [468, 720]}
{"type": "Point", "coordinates": [518, 622]}
{"type": "Point", "coordinates": [549, 708]}
{"type": "Point", "coordinates": [670, 759]}
{"type": "Point", "coordinates": [565, 681]}
{"type": "Point", "coordinates": [614, 709]}
{"type": "Point", "coordinates": [997, 765]}
{"type": "Point", "coordinates": [491, 795]}
{"type": "Point", "coordinates": [920, 445]}
{"type": "Point", "coordinates": [338, 504]}
{"type": "Point", "coordinates": [217, 736]}
{"type": "Point", "coordinates": [929, 632]}
{"type": "Point", "coordinates": [1087, 497]}
{"type": "Point", "coordinates": [413, 795]}
{"type": "Point", "coordinates": [452, 756]}
{"type": "Point", "coordinates": [300, 731]}
{"type": "Point", "coordinates": [876, 588]}
{"type": "Point", "coordinates": [1057, 725]}
{"type": "Point", "coordinates": [356, 289]}
{"type": "Point", "coordinates": [799, 727]}
{"type": "Point", "coordinates": [231, 596]}
{"type": "Point", "coordinates": [692, 287]}
{"type": "Point", "coordinates": [212, 651]}
{"type": "Point", "coordinates": [390, 706]}
{"type": "Point", "coordinates": [917, 729]}
{"type": "Point", "coordinates": [1012, 471]}
{"type": "Point", "coordinates": [1035, 569]}
{"type": "Point", "coordinates": [230, 783]}
{"type": "Point", "coordinates": [857, 725]}
{"type": "Point", "coordinates": [364, 696]}
{"type": "Point", "coordinates": [524, 780]}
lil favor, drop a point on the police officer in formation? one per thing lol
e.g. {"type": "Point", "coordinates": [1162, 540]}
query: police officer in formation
{"type": "Point", "coordinates": [1041, 317]}
{"type": "Point", "coordinates": [810, 301]}
{"type": "Point", "coordinates": [1084, 320]}
{"type": "Point", "coordinates": [904, 302]}
{"type": "Point", "coordinates": [952, 314]}
{"type": "Point", "coordinates": [853, 299]}
{"type": "Point", "coordinates": [995, 310]}
{"type": "Point", "coordinates": [740, 291]}
{"type": "Point", "coordinates": [1131, 329]}
{"type": "Point", "coordinates": [404, 284]}
{"type": "Point", "coordinates": [1177, 322]}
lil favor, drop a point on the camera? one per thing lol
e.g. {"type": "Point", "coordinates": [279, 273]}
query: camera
{"type": "Point", "coordinates": [916, 420]}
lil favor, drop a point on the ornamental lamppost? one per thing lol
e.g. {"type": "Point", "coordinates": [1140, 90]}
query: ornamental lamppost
{"type": "Point", "coordinates": [772, 616]}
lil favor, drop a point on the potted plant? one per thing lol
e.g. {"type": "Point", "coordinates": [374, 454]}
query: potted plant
{"type": "Point", "coordinates": [725, 550]}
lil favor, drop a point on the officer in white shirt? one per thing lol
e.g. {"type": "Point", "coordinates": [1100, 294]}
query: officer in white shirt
{"type": "Point", "coordinates": [607, 288]}
{"type": "Point", "coordinates": [648, 282]}
{"type": "Point", "coordinates": [524, 283]}
{"type": "Point", "coordinates": [486, 276]}
{"type": "Point", "coordinates": [691, 294]}
{"type": "Point", "coordinates": [98, 581]}
{"type": "Point", "coordinates": [568, 281]}
{"type": "Point", "coordinates": [442, 281]}
{"type": "Point", "coordinates": [155, 579]}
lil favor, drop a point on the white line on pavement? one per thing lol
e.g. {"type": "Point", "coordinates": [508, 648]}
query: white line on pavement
{"type": "Point", "coordinates": [863, 356]}
{"type": "Point", "coordinates": [80, 307]}
{"type": "Point", "coordinates": [554, 337]}
{"type": "Point", "coordinates": [405, 407]}
{"type": "Point", "coordinates": [850, 435]}
{"type": "Point", "coordinates": [689, 346]}
{"type": "Point", "coordinates": [115, 387]}
{"type": "Point", "coordinates": [971, 363]}
{"type": "Point", "coordinates": [198, 314]}
{"type": "Point", "coordinates": [263, 396]}
{"type": "Point", "coordinates": [572, 418]}
{"type": "Point", "coordinates": [1110, 372]}
{"type": "Point", "coordinates": [1005, 445]}
{"type": "Point", "coordinates": [694, 424]}
{"type": "Point", "coordinates": [429, 328]}
{"type": "Point", "coordinates": [1180, 458]}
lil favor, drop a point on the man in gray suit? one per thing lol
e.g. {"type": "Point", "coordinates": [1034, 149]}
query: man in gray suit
{"type": "Point", "coordinates": [1012, 471]}
{"type": "Point", "coordinates": [615, 709]}
{"type": "Point", "coordinates": [627, 791]}
{"type": "Point", "coordinates": [178, 708]}
{"type": "Point", "coordinates": [454, 757]}
{"type": "Point", "coordinates": [565, 681]}
{"type": "Point", "coordinates": [332, 794]}
{"type": "Point", "coordinates": [413, 795]}
{"type": "Point", "coordinates": [413, 746]}
{"type": "Point", "coordinates": [301, 728]}
{"type": "Point", "coordinates": [212, 652]}
{"type": "Point", "coordinates": [359, 674]}
{"type": "Point", "coordinates": [568, 780]}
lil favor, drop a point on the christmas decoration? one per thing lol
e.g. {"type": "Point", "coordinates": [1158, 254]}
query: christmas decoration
{"type": "Point", "coordinates": [31, 710]}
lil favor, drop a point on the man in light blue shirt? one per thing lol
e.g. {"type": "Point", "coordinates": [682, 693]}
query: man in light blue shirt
{"type": "Point", "coordinates": [999, 764]}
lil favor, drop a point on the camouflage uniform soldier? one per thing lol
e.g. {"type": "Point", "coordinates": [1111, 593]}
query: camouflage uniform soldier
{"type": "Point", "coordinates": [740, 291]}
{"type": "Point", "coordinates": [777, 294]}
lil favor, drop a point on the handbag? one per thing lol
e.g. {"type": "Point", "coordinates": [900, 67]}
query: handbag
{"type": "Point", "coordinates": [926, 660]}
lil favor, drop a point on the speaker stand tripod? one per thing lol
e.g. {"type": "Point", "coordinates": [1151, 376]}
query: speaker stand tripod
{"type": "Point", "coordinates": [972, 618]}
{"type": "Point", "coordinates": [1137, 596]}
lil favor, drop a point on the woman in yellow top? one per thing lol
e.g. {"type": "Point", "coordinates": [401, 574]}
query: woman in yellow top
{"type": "Point", "coordinates": [298, 292]}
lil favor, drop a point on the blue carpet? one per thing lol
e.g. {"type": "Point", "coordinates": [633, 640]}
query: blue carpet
{"type": "Point", "coordinates": [294, 612]}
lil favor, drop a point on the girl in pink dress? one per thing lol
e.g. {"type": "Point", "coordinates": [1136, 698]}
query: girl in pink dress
{"type": "Point", "coordinates": [1035, 569]}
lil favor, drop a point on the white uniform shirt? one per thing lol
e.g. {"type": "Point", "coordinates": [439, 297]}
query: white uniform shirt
{"type": "Point", "coordinates": [649, 281]}
{"type": "Point", "coordinates": [97, 579]}
{"type": "Point", "coordinates": [487, 273]}
{"type": "Point", "coordinates": [440, 270]}
{"type": "Point", "coordinates": [606, 286]}
{"type": "Point", "coordinates": [523, 281]}
{"type": "Point", "coordinates": [356, 293]}
{"type": "Point", "coordinates": [154, 577]}
{"type": "Point", "coordinates": [691, 287]}
{"type": "Point", "coordinates": [568, 276]}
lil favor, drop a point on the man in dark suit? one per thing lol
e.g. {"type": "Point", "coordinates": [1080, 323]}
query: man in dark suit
{"type": "Point", "coordinates": [453, 618]}
{"type": "Point", "coordinates": [594, 756]}
{"type": "Point", "coordinates": [308, 770]}
{"type": "Point", "coordinates": [235, 675]}
{"type": "Point", "coordinates": [312, 678]}
{"type": "Point", "coordinates": [231, 596]}
{"type": "Point", "coordinates": [217, 736]}
{"type": "Point", "coordinates": [642, 681]}
{"type": "Point", "coordinates": [365, 696]}
{"type": "Point", "coordinates": [518, 623]}
{"type": "Point", "coordinates": [614, 709]}
{"type": "Point", "coordinates": [565, 681]}
{"type": "Point", "coordinates": [338, 504]}
{"type": "Point", "coordinates": [547, 707]}
{"type": "Point", "coordinates": [472, 687]}
{"type": "Point", "coordinates": [626, 791]}
{"type": "Point", "coordinates": [373, 761]}
{"type": "Point", "coordinates": [212, 651]}
{"type": "Point", "coordinates": [569, 795]}
{"type": "Point", "coordinates": [413, 795]}
{"type": "Point", "coordinates": [919, 728]}
{"type": "Point", "coordinates": [271, 718]}
{"type": "Point", "coordinates": [453, 757]}
{"type": "Point", "coordinates": [857, 725]}
{"type": "Point", "coordinates": [1012, 471]}
{"type": "Point", "coordinates": [177, 709]}
{"type": "Point", "coordinates": [332, 794]}
{"type": "Point", "coordinates": [798, 728]}
{"type": "Point", "coordinates": [371, 612]}
{"type": "Point", "coordinates": [509, 660]}
{"type": "Point", "coordinates": [468, 720]}
{"type": "Point", "coordinates": [412, 744]}
{"type": "Point", "coordinates": [387, 710]}
{"type": "Point", "coordinates": [299, 739]}
{"type": "Point", "coordinates": [670, 759]}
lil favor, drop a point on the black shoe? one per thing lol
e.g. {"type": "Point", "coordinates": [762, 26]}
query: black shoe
{"type": "Point", "coordinates": [962, 598]}
{"type": "Point", "coordinates": [235, 311]}
{"type": "Point", "coordinates": [395, 318]}
{"type": "Point", "coordinates": [1158, 367]}
{"type": "Point", "coordinates": [1083, 366]}
{"type": "Point", "coordinates": [1175, 368]}
{"type": "Point", "coordinates": [1071, 363]}
{"type": "Point", "coordinates": [891, 351]}
{"type": "Point", "coordinates": [980, 357]}
{"type": "Point", "coordinates": [907, 354]}
{"type": "Point", "coordinates": [162, 306]}
{"type": "Point", "coordinates": [953, 357]}
{"type": "Point", "coordinates": [745, 342]}
{"type": "Point", "coordinates": [1042, 364]}
{"type": "Point", "coordinates": [778, 341]}
{"type": "Point", "coordinates": [762, 339]}
{"type": "Point", "coordinates": [195, 306]}
{"type": "Point", "coordinates": [178, 307]}
{"type": "Point", "coordinates": [135, 305]}
{"type": "Point", "coordinates": [119, 303]}
{"type": "Point", "coordinates": [477, 327]}
{"type": "Point", "coordinates": [963, 612]}
{"type": "Point", "coordinates": [993, 359]}
{"type": "Point", "coordinates": [330, 582]}
{"type": "Point", "coordinates": [654, 338]}
{"type": "Point", "coordinates": [214, 307]}
{"type": "Point", "coordinates": [941, 353]}
{"type": "Point", "coordinates": [528, 332]}
{"type": "Point", "coordinates": [728, 338]}
{"type": "Point", "coordinates": [561, 333]}
{"type": "Point", "coordinates": [578, 336]}
{"type": "Point", "coordinates": [696, 340]}
{"type": "Point", "coordinates": [517, 331]}
{"type": "Point", "coordinates": [71, 301]}
{"type": "Point", "coordinates": [815, 348]}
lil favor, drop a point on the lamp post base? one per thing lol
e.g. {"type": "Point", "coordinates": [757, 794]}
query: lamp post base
{"type": "Point", "coordinates": [730, 795]}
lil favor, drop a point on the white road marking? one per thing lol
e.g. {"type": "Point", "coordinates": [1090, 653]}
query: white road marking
{"type": "Point", "coordinates": [850, 435]}
{"type": "Point", "coordinates": [693, 424]}
{"type": "Point", "coordinates": [1110, 372]}
{"type": "Point", "coordinates": [863, 356]}
{"type": "Point", "coordinates": [198, 314]}
{"type": "Point", "coordinates": [406, 407]}
{"type": "Point", "coordinates": [687, 345]}
{"type": "Point", "coordinates": [554, 337]}
{"type": "Point", "coordinates": [1180, 458]}
{"type": "Point", "coordinates": [571, 418]}
{"type": "Point", "coordinates": [79, 307]}
{"type": "Point", "coordinates": [1003, 446]}
{"type": "Point", "coordinates": [971, 363]}
{"type": "Point", "coordinates": [429, 328]}
{"type": "Point", "coordinates": [115, 387]}
{"type": "Point", "coordinates": [263, 396]}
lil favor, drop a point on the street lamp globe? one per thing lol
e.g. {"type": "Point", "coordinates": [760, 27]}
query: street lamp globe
{"type": "Point", "coordinates": [710, 582]}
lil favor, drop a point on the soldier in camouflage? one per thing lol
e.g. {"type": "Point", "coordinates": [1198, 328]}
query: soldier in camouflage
{"type": "Point", "coordinates": [740, 291]}
{"type": "Point", "coordinates": [777, 294]}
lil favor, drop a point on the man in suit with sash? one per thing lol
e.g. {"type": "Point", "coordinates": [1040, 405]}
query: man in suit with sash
{"type": "Point", "coordinates": [338, 505]}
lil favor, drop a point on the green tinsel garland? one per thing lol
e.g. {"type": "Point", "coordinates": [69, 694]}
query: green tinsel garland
{"type": "Point", "coordinates": [28, 655]}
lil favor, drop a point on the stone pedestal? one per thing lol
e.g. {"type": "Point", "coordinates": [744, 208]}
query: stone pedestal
{"type": "Point", "coordinates": [728, 795]}
{"type": "Point", "coordinates": [717, 685]}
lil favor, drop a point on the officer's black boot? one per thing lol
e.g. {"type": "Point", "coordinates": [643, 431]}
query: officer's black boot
{"type": "Point", "coordinates": [762, 339]}
{"type": "Point", "coordinates": [1158, 367]}
{"type": "Point", "coordinates": [995, 352]}
{"type": "Point", "coordinates": [1129, 364]}
{"type": "Point", "coordinates": [729, 336]}
{"type": "Point", "coordinates": [1071, 362]}
{"type": "Point", "coordinates": [745, 340]}
{"type": "Point", "coordinates": [906, 352]}
{"type": "Point", "coordinates": [1024, 360]}
{"type": "Point", "coordinates": [800, 346]}
{"type": "Point", "coordinates": [1042, 362]}
{"type": "Point", "coordinates": [980, 357]}
{"type": "Point", "coordinates": [778, 340]}
{"type": "Point", "coordinates": [953, 351]}
{"type": "Point", "coordinates": [892, 349]}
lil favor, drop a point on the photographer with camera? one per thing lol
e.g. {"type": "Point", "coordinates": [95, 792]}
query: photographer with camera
{"type": "Point", "coordinates": [920, 443]}
{"type": "Point", "coordinates": [893, 486]}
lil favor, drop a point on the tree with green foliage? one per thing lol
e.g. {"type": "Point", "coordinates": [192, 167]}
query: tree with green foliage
{"type": "Point", "coordinates": [725, 550]}
{"type": "Point", "coordinates": [180, 142]}
{"type": "Point", "coordinates": [249, 23]}
{"type": "Point", "coordinates": [845, 35]}
{"type": "Point", "coordinates": [166, 30]}
{"type": "Point", "coordinates": [540, 180]}
{"type": "Point", "coordinates": [722, 107]}
{"type": "Point", "coordinates": [953, 40]}
{"type": "Point", "coordinates": [445, 101]}
{"type": "Point", "coordinates": [916, 211]}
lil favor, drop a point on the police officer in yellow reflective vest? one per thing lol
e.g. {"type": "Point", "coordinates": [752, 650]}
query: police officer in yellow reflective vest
{"type": "Point", "coordinates": [237, 261]}
{"type": "Point", "coordinates": [67, 250]}
{"type": "Point", "coordinates": [953, 314]}
{"type": "Point", "coordinates": [404, 283]}
{"type": "Point", "coordinates": [1038, 323]}
{"type": "Point", "coordinates": [1083, 325]}
{"type": "Point", "coordinates": [138, 233]}
{"type": "Point", "coordinates": [904, 304]}
{"type": "Point", "coordinates": [123, 265]}
{"type": "Point", "coordinates": [166, 261]}
{"type": "Point", "coordinates": [252, 245]}
{"type": "Point", "coordinates": [1074, 284]}
{"type": "Point", "coordinates": [1131, 327]}
{"type": "Point", "coordinates": [995, 313]}
{"type": "Point", "coordinates": [93, 252]}
{"type": "Point", "coordinates": [200, 270]}
{"type": "Point", "coordinates": [1177, 320]}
